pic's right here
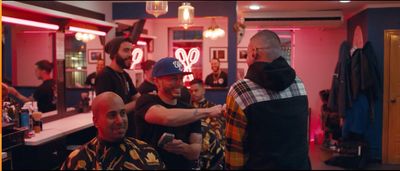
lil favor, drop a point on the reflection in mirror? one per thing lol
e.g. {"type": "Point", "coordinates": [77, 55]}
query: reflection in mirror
{"type": "Point", "coordinates": [32, 65]}
{"type": "Point", "coordinates": [75, 62]}
{"type": "Point", "coordinates": [164, 36]}
{"type": "Point", "coordinates": [286, 37]}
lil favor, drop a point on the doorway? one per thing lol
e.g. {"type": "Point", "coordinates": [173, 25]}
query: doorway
{"type": "Point", "coordinates": [391, 101]}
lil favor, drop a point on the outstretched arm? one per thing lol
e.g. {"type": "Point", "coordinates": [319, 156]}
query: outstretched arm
{"type": "Point", "coordinates": [175, 117]}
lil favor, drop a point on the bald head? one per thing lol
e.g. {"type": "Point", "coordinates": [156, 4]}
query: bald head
{"type": "Point", "coordinates": [266, 44]}
{"type": "Point", "coordinates": [109, 117]}
{"type": "Point", "coordinates": [105, 101]}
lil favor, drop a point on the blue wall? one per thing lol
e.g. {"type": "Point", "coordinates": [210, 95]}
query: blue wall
{"type": "Point", "coordinates": [129, 10]}
{"type": "Point", "coordinates": [373, 23]}
{"type": "Point", "coordinates": [6, 53]}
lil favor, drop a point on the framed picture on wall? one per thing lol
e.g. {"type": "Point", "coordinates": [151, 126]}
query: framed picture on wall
{"type": "Point", "coordinates": [241, 54]}
{"type": "Point", "coordinates": [220, 53]}
{"type": "Point", "coordinates": [94, 55]}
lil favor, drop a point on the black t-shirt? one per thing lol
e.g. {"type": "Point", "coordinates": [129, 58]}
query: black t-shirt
{"type": "Point", "coordinates": [221, 81]}
{"type": "Point", "coordinates": [146, 87]}
{"type": "Point", "coordinates": [44, 95]}
{"type": "Point", "coordinates": [119, 83]}
{"type": "Point", "coordinates": [91, 79]}
{"type": "Point", "coordinates": [151, 133]}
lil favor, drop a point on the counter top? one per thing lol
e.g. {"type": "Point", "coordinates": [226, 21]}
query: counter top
{"type": "Point", "coordinates": [59, 128]}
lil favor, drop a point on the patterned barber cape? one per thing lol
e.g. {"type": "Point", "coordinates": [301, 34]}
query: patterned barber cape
{"type": "Point", "coordinates": [128, 154]}
{"type": "Point", "coordinates": [213, 132]}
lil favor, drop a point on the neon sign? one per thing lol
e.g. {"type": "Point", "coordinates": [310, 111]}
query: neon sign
{"type": "Point", "coordinates": [187, 60]}
{"type": "Point", "coordinates": [137, 56]}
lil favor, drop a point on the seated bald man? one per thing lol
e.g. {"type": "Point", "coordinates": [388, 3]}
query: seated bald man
{"type": "Point", "coordinates": [111, 149]}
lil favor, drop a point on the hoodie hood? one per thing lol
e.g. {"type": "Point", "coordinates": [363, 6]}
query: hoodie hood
{"type": "Point", "coordinates": [275, 76]}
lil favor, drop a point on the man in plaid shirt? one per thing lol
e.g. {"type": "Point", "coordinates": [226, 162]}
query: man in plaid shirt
{"type": "Point", "coordinates": [267, 112]}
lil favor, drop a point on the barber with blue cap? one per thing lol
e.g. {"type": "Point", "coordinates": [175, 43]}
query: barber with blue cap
{"type": "Point", "coordinates": [164, 113]}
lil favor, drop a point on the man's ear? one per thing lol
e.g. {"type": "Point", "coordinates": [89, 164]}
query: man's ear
{"type": "Point", "coordinates": [95, 121]}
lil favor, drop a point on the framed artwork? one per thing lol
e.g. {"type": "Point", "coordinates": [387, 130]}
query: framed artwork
{"type": "Point", "coordinates": [94, 55]}
{"type": "Point", "coordinates": [241, 54]}
{"type": "Point", "coordinates": [220, 53]}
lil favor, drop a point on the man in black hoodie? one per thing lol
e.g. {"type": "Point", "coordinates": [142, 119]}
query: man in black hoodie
{"type": "Point", "coordinates": [267, 112]}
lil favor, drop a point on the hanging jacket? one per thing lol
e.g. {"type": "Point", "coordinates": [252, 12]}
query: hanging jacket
{"type": "Point", "coordinates": [340, 94]}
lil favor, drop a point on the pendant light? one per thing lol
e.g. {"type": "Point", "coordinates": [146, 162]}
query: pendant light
{"type": "Point", "coordinates": [157, 8]}
{"type": "Point", "coordinates": [186, 14]}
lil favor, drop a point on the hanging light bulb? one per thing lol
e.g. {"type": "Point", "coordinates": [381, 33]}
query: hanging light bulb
{"type": "Point", "coordinates": [157, 8]}
{"type": "Point", "coordinates": [185, 14]}
{"type": "Point", "coordinates": [213, 32]}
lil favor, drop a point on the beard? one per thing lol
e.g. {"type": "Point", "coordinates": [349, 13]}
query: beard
{"type": "Point", "coordinates": [174, 92]}
{"type": "Point", "coordinates": [215, 69]}
{"type": "Point", "coordinates": [122, 63]}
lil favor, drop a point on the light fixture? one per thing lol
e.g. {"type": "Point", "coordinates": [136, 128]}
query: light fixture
{"type": "Point", "coordinates": [213, 32]}
{"type": "Point", "coordinates": [186, 14]}
{"type": "Point", "coordinates": [187, 60]}
{"type": "Point", "coordinates": [83, 30]}
{"type": "Point", "coordinates": [344, 1]}
{"type": "Point", "coordinates": [157, 8]}
{"type": "Point", "coordinates": [29, 23]}
{"type": "Point", "coordinates": [254, 7]}
{"type": "Point", "coordinates": [137, 56]}
{"type": "Point", "coordinates": [84, 37]}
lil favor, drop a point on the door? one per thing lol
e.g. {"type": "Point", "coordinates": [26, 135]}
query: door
{"type": "Point", "coordinates": [391, 134]}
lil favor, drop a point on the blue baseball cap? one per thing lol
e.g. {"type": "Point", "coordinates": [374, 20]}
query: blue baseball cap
{"type": "Point", "coordinates": [168, 66]}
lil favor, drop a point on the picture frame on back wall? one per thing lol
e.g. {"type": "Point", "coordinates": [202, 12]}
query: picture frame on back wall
{"type": "Point", "coordinates": [220, 53]}
{"type": "Point", "coordinates": [241, 54]}
{"type": "Point", "coordinates": [94, 55]}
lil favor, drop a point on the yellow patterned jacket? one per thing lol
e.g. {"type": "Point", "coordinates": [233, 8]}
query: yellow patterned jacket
{"type": "Point", "coordinates": [213, 144]}
{"type": "Point", "coordinates": [128, 154]}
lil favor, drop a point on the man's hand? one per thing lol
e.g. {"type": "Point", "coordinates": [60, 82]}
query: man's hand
{"type": "Point", "coordinates": [176, 146]}
{"type": "Point", "coordinates": [216, 110]}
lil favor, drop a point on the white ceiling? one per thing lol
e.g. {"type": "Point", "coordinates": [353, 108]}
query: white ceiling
{"type": "Point", "coordinates": [348, 9]}
{"type": "Point", "coordinates": [294, 9]}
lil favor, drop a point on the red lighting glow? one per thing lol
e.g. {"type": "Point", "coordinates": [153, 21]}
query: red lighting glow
{"type": "Point", "coordinates": [187, 60]}
{"type": "Point", "coordinates": [29, 23]}
{"type": "Point", "coordinates": [77, 29]}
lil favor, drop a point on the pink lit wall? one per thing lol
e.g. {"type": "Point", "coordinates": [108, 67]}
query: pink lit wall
{"type": "Point", "coordinates": [316, 55]}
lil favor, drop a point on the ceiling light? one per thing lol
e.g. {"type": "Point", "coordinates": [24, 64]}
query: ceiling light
{"type": "Point", "coordinates": [254, 7]}
{"type": "Point", "coordinates": [29, 23]}
{"type": "Point", "coordinates": [213, 32]}
{"type": "Point", "coordinates": [84, 37]}
{"type": "Point", "coordinates": [344, 1]}
{"type": "Point", "coordinates": [157, 8]}
{"type": "Point", "coordinates": [186, 14]}
{"type": "Point", "coordinates": [83, 30]}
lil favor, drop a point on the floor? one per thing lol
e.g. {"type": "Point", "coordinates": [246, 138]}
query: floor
{"type": "Point", "coordinates": [319, 155]}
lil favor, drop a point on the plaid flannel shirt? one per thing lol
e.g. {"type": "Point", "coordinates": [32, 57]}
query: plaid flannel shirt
{"type": "Point", "coordinates": [241, 95]}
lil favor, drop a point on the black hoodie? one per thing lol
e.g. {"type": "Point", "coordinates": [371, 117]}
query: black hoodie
{"type": "Point", "coordinates": [275, 76]}
{"type": "Point", "coordinates": [276, 108]}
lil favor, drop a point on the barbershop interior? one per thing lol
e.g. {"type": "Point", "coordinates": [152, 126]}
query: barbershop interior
{"type": "Point", "coordinates": [62, 106]}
